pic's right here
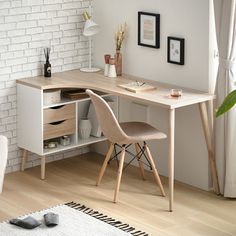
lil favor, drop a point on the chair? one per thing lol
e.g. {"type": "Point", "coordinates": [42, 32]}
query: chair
{"type": "Point", "coordinates": [124, 134]}
{"type": "Point", "coordinates": [3, 159]}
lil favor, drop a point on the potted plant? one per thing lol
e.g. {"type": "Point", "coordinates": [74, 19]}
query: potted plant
{"type": "Point", "coordinates": [227, 104]}
{"type": "Point", "coordinates": [119, 38]}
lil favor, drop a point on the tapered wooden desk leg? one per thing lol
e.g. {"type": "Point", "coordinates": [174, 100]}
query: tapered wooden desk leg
{"type": "Point", "coordinates": [209, 142]}
{"type": "Point", "coordinates": [139, 161]}
{"type": "Point", "coordinates": [24, 159]}
{"type": "Point", "coordinates": [43, 162]}
{"type": "Point", "coordinates": [171, 157]}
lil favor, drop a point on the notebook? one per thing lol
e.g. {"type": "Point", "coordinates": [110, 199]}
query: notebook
{"type": "Point", "coordinates": [136, 87]}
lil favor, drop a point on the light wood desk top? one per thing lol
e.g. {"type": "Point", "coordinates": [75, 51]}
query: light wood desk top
{"type": "Point", "coordinates": [96, 81]}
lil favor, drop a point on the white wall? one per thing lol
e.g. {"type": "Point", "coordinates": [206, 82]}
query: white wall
{"type": "Point", "coordinates": [181, 18]}
{"type": "Point", "coordinates": [26, 26]}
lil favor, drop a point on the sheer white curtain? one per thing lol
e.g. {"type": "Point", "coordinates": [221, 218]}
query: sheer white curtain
{"type": "Point", "coordinates": [226, 82]}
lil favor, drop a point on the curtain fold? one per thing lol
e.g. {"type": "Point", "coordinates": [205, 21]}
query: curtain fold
{"type": "Point", "coordinates": [226, 82]}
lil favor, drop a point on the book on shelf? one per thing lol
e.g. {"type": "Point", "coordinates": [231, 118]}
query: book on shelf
{"type": "Point", "coordinates": [136, 87]}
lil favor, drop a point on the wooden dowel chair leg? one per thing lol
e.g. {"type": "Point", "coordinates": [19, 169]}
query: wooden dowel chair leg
{"type": "Point", "coordinates": [139, 161]}
{"type": "Point", "coordinates": [156, 175]}
{"type": "Point", "coordinates": [122, 157]}
{"type": "Point", "coordinates": [104, 165]}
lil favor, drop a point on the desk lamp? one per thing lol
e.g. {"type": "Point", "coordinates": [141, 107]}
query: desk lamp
{"type": "Point", "coordinates": [90, 29]}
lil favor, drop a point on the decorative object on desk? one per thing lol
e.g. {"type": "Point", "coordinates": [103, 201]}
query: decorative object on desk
{"type": "Point", "coordinates": [112, 68]}
{"type": "Point", "coordinates": [175, 50]}
{"type": "Point", "coordinates": [119, 37]}
{"type": "Point", "coordinates": [118, 59]}
{"type": "Point", "coordinates": [107, 66]}
{"type": "Point", "coordinates": [65, 140]}
{"type": "Point", "coordinates": [74, 94]}
{"type": "Point", "coordinates": [85, 128]}
{"type": "Point", "coordinates": [51, 96]}
{"type": "Point", "coordinates": [90, 29]}
{"type": "Point", "coordinates": [149, 29]}
{"type": "Point", "coordinates": [176, 93]}
{"type": "Point", "coordinates": [136, 87]}
{"type": "Point", "coordinates": [47, 65]}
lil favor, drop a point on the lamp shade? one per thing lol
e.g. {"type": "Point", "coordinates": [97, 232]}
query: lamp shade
{"type": "Point", "coordinates": [90, 28]}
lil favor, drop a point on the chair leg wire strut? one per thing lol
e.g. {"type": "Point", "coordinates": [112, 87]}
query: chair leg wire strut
{"type": "Point", "coordinates": [140, 152]}
{"type": "Point", "coordinates": [138, 156]}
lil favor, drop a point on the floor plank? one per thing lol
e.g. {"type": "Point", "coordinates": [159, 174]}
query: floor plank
{"type": "Point", "coordinates": [196, 212]}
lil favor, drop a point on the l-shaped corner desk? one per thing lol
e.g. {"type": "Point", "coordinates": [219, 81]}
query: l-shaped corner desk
{"type": "Point", "coordinates": [30, 112]}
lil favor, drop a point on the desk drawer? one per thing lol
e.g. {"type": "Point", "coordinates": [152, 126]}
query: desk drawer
{"type": "Point", "coordinates": [59, 113]}
{"type": "Point", "coordinates": [59, 128]}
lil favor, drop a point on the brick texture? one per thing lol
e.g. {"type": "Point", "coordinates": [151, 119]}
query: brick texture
{"type": "Point", "coordinates": [26, 27]}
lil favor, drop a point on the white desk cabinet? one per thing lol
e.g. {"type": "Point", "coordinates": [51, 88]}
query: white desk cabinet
{"type": "Point", "coordinates": [37, 122]}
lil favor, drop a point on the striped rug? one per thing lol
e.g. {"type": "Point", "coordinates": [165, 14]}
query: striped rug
{"type": "Point", "coordinates": [74, 220]}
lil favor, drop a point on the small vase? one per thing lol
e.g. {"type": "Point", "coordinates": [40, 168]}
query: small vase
{"type": "Point", "coordinates": [106, 69]}
{"type": "Point", "coordinates": [85, 128]}
{"type": "Point", "coordinates": [118, 58]}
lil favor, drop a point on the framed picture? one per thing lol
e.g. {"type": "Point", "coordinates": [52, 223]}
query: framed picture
{"type": "Point", "coordinates": [175, 50]}
{"type": "Point", "coordinates": [149, 29]}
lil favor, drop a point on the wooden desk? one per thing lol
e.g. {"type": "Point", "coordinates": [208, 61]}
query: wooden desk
{"type": "Point", "coordinates": [159, 97]}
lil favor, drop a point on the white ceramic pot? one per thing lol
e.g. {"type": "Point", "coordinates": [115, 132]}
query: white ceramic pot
{"type": "Point", "coordinates": [106, 69]}
{"type": "Point", "coordinates": [85, 128]}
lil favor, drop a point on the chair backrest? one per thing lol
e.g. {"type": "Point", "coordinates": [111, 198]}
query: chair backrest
{"type": "Point", "coordinates": [3, 159]}
{"type": "Point", "coordinates": [106, 118]}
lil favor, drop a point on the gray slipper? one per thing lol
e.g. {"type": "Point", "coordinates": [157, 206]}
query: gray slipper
{"type": "Point", "coordinates": [51, 219]}
{"type": "Point", "coordinates": [27, 223]}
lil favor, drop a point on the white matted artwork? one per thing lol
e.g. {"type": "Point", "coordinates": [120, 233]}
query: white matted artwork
{"type": "Point", "coordinates": [149, 29]}
{"type": "Point", "coordinates": [175, 53]}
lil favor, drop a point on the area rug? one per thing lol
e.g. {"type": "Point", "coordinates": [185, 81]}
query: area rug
{"type": "Point", "coordinates": [74, 220]}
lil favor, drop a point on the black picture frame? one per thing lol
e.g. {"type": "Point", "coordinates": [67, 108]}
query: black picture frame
{"type": "Point", "coordinates": [178, 45]}
{"type": "Point", "coordinates": [156, 30]}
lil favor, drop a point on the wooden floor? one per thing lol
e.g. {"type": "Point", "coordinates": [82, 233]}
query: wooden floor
{"type": "Point", "coordinates": [140, 204]}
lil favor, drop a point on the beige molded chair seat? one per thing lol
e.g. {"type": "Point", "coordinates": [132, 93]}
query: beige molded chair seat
{"type": "Point", "coordinates": [140, 131]}
{"type": "Point", "coordinates": [123, 135]}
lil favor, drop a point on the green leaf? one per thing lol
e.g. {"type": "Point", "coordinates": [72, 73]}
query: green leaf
{"type": "Point", "coordinates": [227, 104]}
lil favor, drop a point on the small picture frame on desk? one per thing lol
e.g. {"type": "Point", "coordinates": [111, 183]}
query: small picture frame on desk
{"type": "Point", "coordinates": [149, 29]}
{"type": "Point", "coordinates": [175, 50]}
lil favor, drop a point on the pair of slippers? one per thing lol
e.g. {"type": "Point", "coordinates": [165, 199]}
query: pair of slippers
{"type": "Point", "coordinates": [51, 219]}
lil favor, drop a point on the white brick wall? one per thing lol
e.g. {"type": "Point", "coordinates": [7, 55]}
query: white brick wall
{"type": "Point", "coordinates": [26, 26]}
